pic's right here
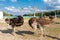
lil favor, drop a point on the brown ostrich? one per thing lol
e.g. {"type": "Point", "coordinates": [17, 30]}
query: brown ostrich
{"type": "Point", "coordinates": [15, 22]}
{"type": "Point", "coordinates": [41, 22]}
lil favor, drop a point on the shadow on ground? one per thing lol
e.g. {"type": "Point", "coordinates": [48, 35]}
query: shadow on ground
{"type": "Point", "coordinates": [57, 22]}
{"type": "Point", "coordinates": [24, 32]}
{"type": "Point", "coordinates": [7, 31]}
{"type": "Point", "coordinates": [18, 32]}
{"type": "Point", "coordinates": [53, 37]}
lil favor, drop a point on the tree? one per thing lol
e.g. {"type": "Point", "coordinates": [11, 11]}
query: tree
{"type": "Point", "coordinates": [6, 14]}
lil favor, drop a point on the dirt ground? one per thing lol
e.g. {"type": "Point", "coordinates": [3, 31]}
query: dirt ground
{"type": "Point", "coordinates": [25, 32]}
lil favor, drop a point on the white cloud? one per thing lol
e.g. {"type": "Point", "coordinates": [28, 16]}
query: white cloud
{"type": "Point", "coordinates": [12, 9]}
{"type": "Point", "coordinates": [58, 7]}
{"type": "Point", "coordinates": [13, 0]}
{"type": "Point", "coordinates": [53, 3]}
{"type": "Point", "coordinates": [59, 1]}
{"type": "Point", "coordinates": [44, 10]}
{"type": "Point", "coordinates": [38, 10]}
{"type": "Point", "coordinates": [25, 9]}
{"type": "Point", "coordinates": [45, 0]}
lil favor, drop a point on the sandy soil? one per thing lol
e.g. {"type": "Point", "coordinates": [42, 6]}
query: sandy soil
{"type": "Point", "coordinates": [25, 32]}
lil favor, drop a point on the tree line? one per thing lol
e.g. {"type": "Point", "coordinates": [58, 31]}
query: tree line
{"type": "Point", "coordinates": [44, 13]}
{"type": "Point", "coordinates": [6, 14]}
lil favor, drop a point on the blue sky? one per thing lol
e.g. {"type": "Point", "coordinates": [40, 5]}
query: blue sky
{"type": "Point", "coordinates": [14, 6]}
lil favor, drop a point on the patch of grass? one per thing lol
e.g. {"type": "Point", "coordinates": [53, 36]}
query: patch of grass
{"type": "Point", "coordinates": [57, 19]}
{"type": "Point", "coordinates": [51, 30]}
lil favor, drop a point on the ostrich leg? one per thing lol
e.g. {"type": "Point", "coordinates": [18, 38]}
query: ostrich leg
{"type": "Point", "coordinates": [42, 32]}
{"type": "Point", "coordinates": [13, 29]}
{"type": "Point", "coordinates": [34, 25]}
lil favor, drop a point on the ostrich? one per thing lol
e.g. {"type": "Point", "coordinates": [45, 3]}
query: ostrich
{"type": "Point", "coordinates": [34, 22]}
{"type": "Point", "coordinates": [41, 22]}
{"type": "Point", "coordinates": [15, 22]}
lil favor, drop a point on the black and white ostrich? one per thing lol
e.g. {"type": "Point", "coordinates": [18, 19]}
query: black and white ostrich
{"type": "Point", "coordinates": [15, 22]}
